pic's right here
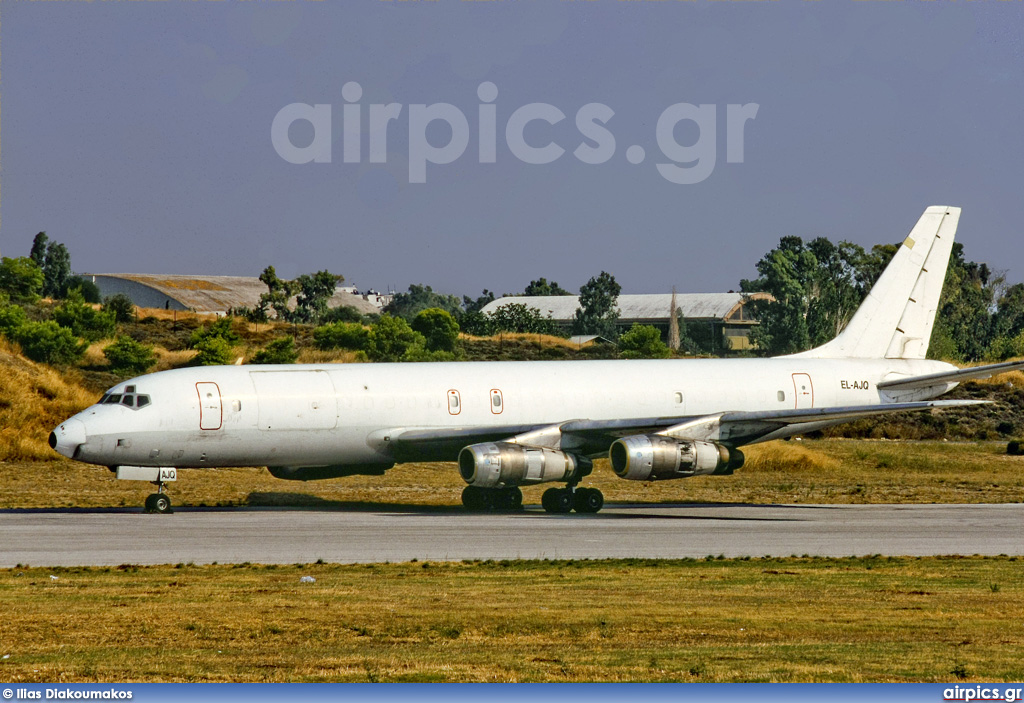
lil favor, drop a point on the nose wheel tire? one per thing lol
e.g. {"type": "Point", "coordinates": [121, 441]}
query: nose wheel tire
{"type": "Point", "coordinates": [158, 503]}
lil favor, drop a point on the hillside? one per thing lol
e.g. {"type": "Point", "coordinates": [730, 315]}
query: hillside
{"type": "Point", "coordinates": [34, 399]}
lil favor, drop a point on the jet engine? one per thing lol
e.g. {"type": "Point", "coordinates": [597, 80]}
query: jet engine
{"type": "Point", "coordinates": [657, 458]}
{"type": "Point", "coordinates": [494, 464]}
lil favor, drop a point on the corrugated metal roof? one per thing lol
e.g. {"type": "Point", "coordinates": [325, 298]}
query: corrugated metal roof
{"type": "Point", "coordinates": [218, 293]}
{"type": "Point", "coordinates": [648, 306]}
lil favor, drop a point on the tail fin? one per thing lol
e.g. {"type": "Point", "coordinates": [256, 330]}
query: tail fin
{"type": "Point", "coordinates": [895, 320]}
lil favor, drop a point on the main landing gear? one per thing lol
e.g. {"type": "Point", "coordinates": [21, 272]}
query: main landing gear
{"type": "Point", "coordinates": [554, 500]}
{"type": "Point", "coordinates": [509, 498]}
{"type": "Point", "coordinates": [158, 502]}
{"type": "Point", "coordinates": [565, 500]}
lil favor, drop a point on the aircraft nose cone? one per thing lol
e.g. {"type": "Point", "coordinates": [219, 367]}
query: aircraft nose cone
{"type": "Point", "coordinates": [68, 437]}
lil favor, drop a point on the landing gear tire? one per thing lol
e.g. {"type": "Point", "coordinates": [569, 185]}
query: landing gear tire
{"type": "Point", "coordinates": [158, 503]}
{"type": "Point", "coordinates": [478, 499]}
{"type": "Point", "coordinates": [472, 498]}
{"type": "Point", "coordinates": [510, 498]}
{"type": "Point", "coordinates": [588, 500]}
{"type": "Point", "coordinates": [557, 500]}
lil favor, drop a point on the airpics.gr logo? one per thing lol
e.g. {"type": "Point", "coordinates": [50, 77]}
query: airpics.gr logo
{"type": "Point", "coordinates": [981, 693]}
{"type": "Point", "coordinates": [686, 164]}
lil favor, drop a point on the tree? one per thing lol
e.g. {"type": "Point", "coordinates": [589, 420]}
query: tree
{"type": "Point", "coordinates": [280, 351]}
{"type": "Point", "coordinates": [520, 318]}
{"type": "Point", "coordinates": [21, 279]}
{"type": "Point", "coordinates": [471, 305]}
{"type": "Point", "coordinates": [439, 329]}
{"type": "Point", "coordinates": [420, 297]}
{"type": "Point", "coordinates": [49, 343]}
{"type": "Point", "coordinates": [642, 342]}
{"type": "Point", "coordinates": [964, 321]}
{"type": "Point", "coordinates": [83, 319]}
{"type": "Point", "coordinates": [597, 313]}
{"type": "Point", "coordinates": [120, 306]}
{"type": "Point", "coordinates": [38, 253]}
{"type": "Point", "coordinates": [279, 291]}
{"type": "Point", "coordinates": [90, 291]}
{"type": "Point", "coordinates": [542, 287]}
{"type": "Point", "coordinates": [391, 338]}
{"type": "Point", "coordinates": [56, 270]}
{"type": "Point", "coordinates": [1008, 324]}
{"type": "Point", "coordinates": [815, 288]}
{"type": "Point", "coordinates": [314, 292]}
{"type": "Point", "coordinates": [341, 335]}
{"type": "Point", "coordinates": [127, 356]}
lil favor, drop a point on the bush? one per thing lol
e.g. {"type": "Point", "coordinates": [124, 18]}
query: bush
{"type": "Point", "coordinates": [222, 329]}
{"type": "Point", "coordinates": [83, 319]}
{"type": "Point", "coordinates": [279, 351]}
{"type": "Point", "coordinates": [391, 338]}
{"type": "Point", "coordinates": [120, 306]}
{"type": "Point", "coordinates": [21, 279]}
{"type": "Point", "coordinates": [1015, 448]}
{"type": "Point", "coordinates": [438, 327]}
{"type": "Point", "coordinates": [126, 356]}
{"type": "Point", "coordinates": [643, 342]}
{"type": "Point", "coordinates": [12, 317]}
{"type": "Point", "coordinates": [213, 351]}
{"type": "Point", "coordinates": [49, 343]}
{"type": "Point", "coordinates": [341, 335]}
{"type": "Point", "coordinates": [90, 291]}
{"type": "Point", "coordinates": [342, 313]}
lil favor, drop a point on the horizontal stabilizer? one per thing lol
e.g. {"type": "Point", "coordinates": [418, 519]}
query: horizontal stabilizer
{"type": "Point", "coordinates": [937, 379]}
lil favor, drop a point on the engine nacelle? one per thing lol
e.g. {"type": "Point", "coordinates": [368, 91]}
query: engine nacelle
{"type": "Point", "coordinates": [494, 464]}
{"type": "Point", "coordinates": [317, 473]}
{"type": "Point", "coordinates": [658, 458]}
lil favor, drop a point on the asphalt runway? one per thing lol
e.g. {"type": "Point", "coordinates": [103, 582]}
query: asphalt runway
{"type": "Point", "coordinates": [293, 535]}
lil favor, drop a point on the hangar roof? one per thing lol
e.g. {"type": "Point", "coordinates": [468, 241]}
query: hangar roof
{"type": "Point", "coordinates": [204, 293]}
{"type": "Point", "coordinates": [649, 306]}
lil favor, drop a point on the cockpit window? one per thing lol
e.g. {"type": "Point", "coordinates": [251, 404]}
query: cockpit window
{"type": "Point", "coordinates": [128, 400]}
{"type": "Point", "coordinates": [129, 389]}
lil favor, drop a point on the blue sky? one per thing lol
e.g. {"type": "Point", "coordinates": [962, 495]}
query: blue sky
{"type": "Point", "coordinates": [140, 135]}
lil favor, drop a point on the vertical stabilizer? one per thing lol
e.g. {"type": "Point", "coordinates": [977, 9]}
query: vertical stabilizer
{"type": "Point", "coordinates": [895, 321]}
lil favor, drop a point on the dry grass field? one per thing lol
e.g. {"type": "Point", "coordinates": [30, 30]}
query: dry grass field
{"type": "Point", "coordinates": [874, 619]}
{"type": "Point", "coordinates": [820, 471]}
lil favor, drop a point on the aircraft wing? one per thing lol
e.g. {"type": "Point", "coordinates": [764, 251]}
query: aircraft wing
{"type": "Point", "coordinates": [936, 379]}
{"type": "Point", "coordinates": [591, 437]}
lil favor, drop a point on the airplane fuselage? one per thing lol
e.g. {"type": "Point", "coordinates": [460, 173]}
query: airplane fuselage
{"type": "Point", "coordinates": [347, 414]}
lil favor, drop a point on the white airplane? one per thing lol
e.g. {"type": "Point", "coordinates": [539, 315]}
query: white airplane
{"type": "Point", "coordinates": [511, 424]}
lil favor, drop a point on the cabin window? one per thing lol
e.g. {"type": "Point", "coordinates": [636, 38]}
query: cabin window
{"type": "Point", "coordinates": [679, 398]}
{"type": "Point", "coordinates": [782, 396]}
{"type": "Point", "coordinates": [454, 402]}
{"type": "Point", "coordinates": [496, 401]}
{"type": "Point", "coordinates": [236, 405]}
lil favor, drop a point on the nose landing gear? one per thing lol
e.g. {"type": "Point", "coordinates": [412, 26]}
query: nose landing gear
{"type": "Point", "coordinates": [158, 502]}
